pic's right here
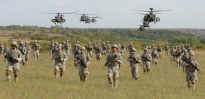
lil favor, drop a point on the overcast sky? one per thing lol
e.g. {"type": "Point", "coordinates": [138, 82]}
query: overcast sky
{"type": "Point", "coordinates": [115, 13]}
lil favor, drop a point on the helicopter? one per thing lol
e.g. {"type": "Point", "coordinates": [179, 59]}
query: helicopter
{"type": "Point", "coordinates": [85, 18]}
{"type": "Point", "coordinates": [141, 28]}
{"type": "Point", "coordinates": [59, 17]}
{"type": "Point", "coordinates": [93, 20]}
{"type": "Point", "coordinates": [151, 17]}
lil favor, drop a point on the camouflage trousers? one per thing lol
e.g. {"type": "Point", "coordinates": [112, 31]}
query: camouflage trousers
{"type": "Point", "coordinates": [67, 52]}
{"type": "Point", "coordinates": [13, 67]}
{"type": "Point", "coordinates": [61, 67]}
{"type": "Point", "coordinates": [98, 55]}
{"type": "Point", "coordinates": [134, 71]}
{"type": "Point", "coordinates": [90, 53]}
{"type": "Point", "coordinates": [146, 64]}
{"type": "Point", "coordinates": [166, 52]}
{"type": "Point", "coordinates": [82, 70]}
{"type": "Point", "coordinates": [36, 53]}
{"type": "Point", "coordinates": [113, 71]}
{"type": "Point", "coordinates": [191, 76]}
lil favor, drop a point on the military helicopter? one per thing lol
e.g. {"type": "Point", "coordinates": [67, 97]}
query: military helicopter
{"type": "Point", "coordinates": [151, 17]}
{"type": "Point", "coordinates": [93, 20]}
{"type": "Point", "coordinates": [85, 18]}
{"type": "Point", "coordinates": [59, 17]}
{"type": "Point", "coordinates": [141, 28]}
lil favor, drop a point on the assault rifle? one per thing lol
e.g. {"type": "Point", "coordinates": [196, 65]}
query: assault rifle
{"type": "Point", "coordinates": [35, 47]}
{"type": "Point", "coordinates": [155, 55]}
{"type": "Point", "coordinates": [135, 60]}
{"type": "Point", "coordinates": [189, 62]}
{"type": "Point", "coordinates": [110, 61]}
{"type": "Point", "coordinates": [82, 62]}
{"type": "Point", "coordinates": [159, 50]}
{"type": "Point", "coordinates": [89, 48]}
{"type": "Point", "coordinates": [11, 59]}
{"type": "Point", "coordinates": [21, 51]}
{"type": "Point", "coordinates": [146, 58]}
{"type": "Point", "coordinates": [62, 61]}
{"type": "Point", "coordinates": [178, 54]}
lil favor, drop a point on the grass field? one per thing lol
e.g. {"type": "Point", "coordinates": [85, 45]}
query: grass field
{"type": "Point", "coordinates": [36, 81]}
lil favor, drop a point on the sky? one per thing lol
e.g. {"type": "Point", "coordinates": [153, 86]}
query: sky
{"type": "Point", "coordinates": [114, 13]}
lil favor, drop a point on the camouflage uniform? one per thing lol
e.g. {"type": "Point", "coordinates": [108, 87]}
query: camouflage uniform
{"type": "Point", "coordinates": [14, 57]}
{"type": "Point", "coordinates": [6, 49]}
{"type": "Point", "coordinates": [108, 47]}
{"type": "Point", "coordinates": [60, 57]}
{"type": "Point", "coordinates": [119, 50]}
{"type": "Point", "coordinates": [178, 58]}
{"type": "Point", "coordinates": [191, 77]}
{"type": "Point", "coordinates": [28, 50]}
{"type": "Point", "coordinates": [159, 50]}
{"type": "Point", "coordinates": [172, 53]}
{"type": "Point", "coordinates": [134, 64]}
{"type": "Point", "coordinates": [189, 49]}
{"type": "Point", "coordinates": [184, 57]}
{"type": "Point", "coordinates": [36, 48]}
{"type": "Point", "coordinates": [155, 56]}
{"type": "Point", "coordinates": [98, 51]}
{"type": "Point", "coordinates": [166, 50]}
{"type": "Point", "coordinates": [67, 47]}
{"type": "Point", "coordinates": [183, 49]}
{"type": "Point", "coordinates": [84, 59]}
{"type": "Point", "coordinates": [23, 50]}
{"type": "Point", "coordinates": [104, 49]}
{"type": "Point", "coordinates": [51, 47]}
{"type": "Point", "coordinates": [146, 63]}
{"type": "Point", "coordinates": [130, 48]}
{"type": "Point", "coordinates": [123, 47]}
{"type": "Point", "coordinates": [75, 52]}
{"type": "Point", "coordinates": [113, 68]}
{"type": "Point", "coordinates": [149, 51]}
{"type": "Point", "coordinates": [1, 48]}
{"type": "Point", "coordinates": [89, 49]}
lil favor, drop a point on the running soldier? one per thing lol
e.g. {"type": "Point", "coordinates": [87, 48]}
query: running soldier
{"type": "Point", "coordinates": [159, 50]}
{"type": "Point", "coordinates": [183, 49]}
{"type": "Point", "coordinates": [94, 47]}
{"type": "Point", "coordinates": [36, 48]}
{"type": "Point", "coordinates": [1, 48]}
{"type": "Point", "coordinates": [75, 52]}
{"type": "Point", "coordinates": [83, 62]}
{"type": "Point", "coordinates": [155, 56]}
{"type": "Point", "coordinates": [120, 51]}
{"type": "Point", "coordinates": [28, 50]}
{"type": "Point", "coordinates": [178, 54]}
{"type": "Point", "coordinates": [104, 49]}
{"type": "Point", "coordinates": [60, 58]}
{"type": "Point", "coordinates": [123, 47]}
{"type": "Point", "coordinates": [98, 51]}
{"type": "Point", "coordinates": [67, 47]}
{"type": "Point", "coordinates": [108, 47]}
{"type": "Point", "coordinates": [89, 49]}
{"type": "Point", "coordinates": [166, 49]}
{"type": "Point", "coordinates": [146, 58]}
{"type": "Point", "coordinates": [112, 61]}
{"type": "Point", "coordinates": [191, 77]}
{"type": "Point", "coordinates": [189, 49]}
{"type": "Point", "coordinates": [22, 49]}
{"type": "Point", "coordinates": [149, 51]}
{"type": "Point", "coordinates": [14, 58]}
{"type": "Point", "coordinates": [51, 47]}
{"type": "Point", "coordinates": [134, 60]}
{"type": "Point", "coordinates": [172, 53]}
{"type": "Point", "coordinates": [184, 57]}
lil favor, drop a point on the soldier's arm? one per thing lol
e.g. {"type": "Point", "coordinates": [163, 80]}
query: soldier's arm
{"type": "Point", "coordinates": [138, 58]}
{"type": "Point", "coordinates": [39, 46]}
{"type": "Point", "coordinates": [29, 49]}
{"type": "Point", "coordinates": [196, 64]}
{"type": "Point", "coordinates": [7, 54]}
{"type": "Point", "coordinates": [19, 56]}
{"type": "Point", "coordinates": [88, 59]}
{"type": "Point", "coordinates": [119, 60]}
{"type": "Point", "coordinates": [107, 60]}
{"type": "Point", "coordinates": [65, 57]}
{"type": "Point", "coordinates": [54, 56]}
{"type": "Point", "coordinates": [128, 59]}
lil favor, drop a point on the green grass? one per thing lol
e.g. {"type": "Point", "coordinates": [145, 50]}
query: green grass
{"type": "Point", "coordinates": [36, 81]}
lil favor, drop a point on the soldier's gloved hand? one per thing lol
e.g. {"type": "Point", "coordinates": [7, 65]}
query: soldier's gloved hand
{"type": "Point", "coordinates": [114, 60]}
{"type": "Point", "coordinates": [79, 61]}
{"type": "Point", "coordinates": [131, 60]}
{"type": "Point", "coordinates": [109, 63]}
{"type": "Point", "coordinates": [57, 56]}
{"type": "Point", "coordinates": [188, 64]}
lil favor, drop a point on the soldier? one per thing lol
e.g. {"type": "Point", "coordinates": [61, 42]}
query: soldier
{"type": "Point", "coordinates": [166, 49]}
{"type": "Point", "coordinates": [63, 46]}
{"type": "Point", "coordinates": [22, 49]}
{"type": "Point", "coordinates": [75, 52]}
{"type": "Point", "coordinates": [149, 51]}
{"type": "Point", "coordinates": [51, 47]}
{"type": "Point", "coordinates": [119, 50]}
{"type": "Point", "coordinates": [112, 61]}
{"type": "Point", "coordinates": [155, 56]}
{"type": "Point", "coordinates": [118, 44]}
{"type": "Point", "coordinates": [83, 63]}
{"type": "Point", "coordinates": [104, 49]}
{"type": "Point", "coordinates": [189, 49]}
{"type": "Point", "coordinates": [14, 58]}
{"type": "Point", "coordinates": [172, 53]}
{"type": "Point", "coordinates": [36, 48]}
{"type": "Point", "coordinates": [89, 49]}
{"type": "Point", "coordinates": [123, 47]}
{"type": "Point", "coordinates": [67, 47]}
{"type": "Point", "coordinates": [134, 60]}
{"type": "Point", "coordinates": [6, 49]}
{"type": "Point", "coordinates": [77, 42]}
{"type": "Point", "coordinates": [1, 48]}
{"type": "Point", "coordinates": [146, 58]}
{"type": "Point", "coordinates": [159, 50]}
{"type": "Point", "coordinates": [108, 47]}
{"type": "Point", "coordinates": [60, 58]}
{"type": "Point", "coordinates": [98, 51]}
{"type": "Point", "coordinates": [178, 54]}
{"type": "Point", "coordinates": [28, 50]}
{"type": "Point", "coordinates": [94, 47]}
{"type": "Point", "coordinates": [152, 47]}
{"type": "Point", "coordinates": [183, 49]}
{"type": "Point", "coordinates": [184, 57]}
{"type": "Point", "coordinates": [130, 48]}
{"type": "Point", "coordinates": [191, 77]}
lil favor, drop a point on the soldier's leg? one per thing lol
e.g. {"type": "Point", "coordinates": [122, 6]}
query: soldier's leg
{"type": "Point", "coordinates": [184, 69]}
{"type": "Point", "coordinates": [144, 69]}
{"type": "Point", "coordinates": [34, 54]}
{"type": "Point", "coordinates": [132, 71]}
{"type": "Point", "coordinates": [110, 81]}
{"type": "Point", "coordinates": [180, 63]}
{"type": "Point", "coordinates": [23, 59]}
{"type": "Point", "coordinates": [115, 82]}
{"type": "Point", "coordinates": [8, 74]}
{"type": "Point", "coordinates": [61, 74]}
{"type": "Point", "coordinates": [156, 62]}
{"type": "Point", "coordinates": [75, 62]}
{"type": "Point", "coordinates": [56, 73]}
{"type": "Point", "coordinates": [189, 84]}
{"type": "Point", "coordinates": [50, 52]}
{"type": "Point", "coordinates": [84, 77]}
{"type": "Point", "coordinates": [193, 84]}
{"type": "Point", "coordinates": [135, 72]}
{"type": "Point", "coordinates": [148, 69]}
{"type": "Point", "coordinates": [37, 53]}
{"type": "Point", "coordinates": [62, 69]}
{"type": "Point", "coordinates": [15, 76]}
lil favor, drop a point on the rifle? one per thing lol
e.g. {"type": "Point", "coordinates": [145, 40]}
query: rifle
{"type": "Point", "coordinates": [110, 61]}
{"type": "Point", "coordinates": [159, 50]}
{"type": "Point", "coordinates": [89, 48]}
{"type": "Point", "coordinates": [146, 58]}
{"type": "Point", "coordinates": [21, 51]}
{"type": "Point", "coordinates": [34, 46]}
{"type": "Point", "coordinates": [61, 60]}
{"type": "Point", "coordinates": [136, 60]}
{"type": "Point", "coordinates": [178, 54]}
{"type": "Point", "coordinates": [82, 62]}
{"type": "Point", "coordinates": [11, 59]}
{"type": "Point", "coordinates": [189, 62]}
{"type": "Point", "coordinates": [155, 55]}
